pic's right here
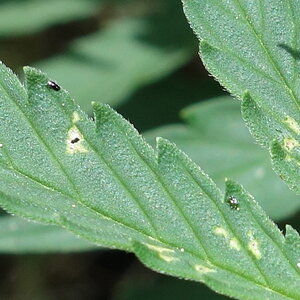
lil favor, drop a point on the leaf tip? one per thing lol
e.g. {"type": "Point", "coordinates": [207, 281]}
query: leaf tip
{"type": "Point", "coordinates": [102, 113]}
{"type": "Point", "coordinates": [164, 148]}
{"type": "Point", "coordinates": [35, 77]}
{"type": "Point", "coordinates": [162, 142]}
{"type": "Point", "coordinates": [30, 72]}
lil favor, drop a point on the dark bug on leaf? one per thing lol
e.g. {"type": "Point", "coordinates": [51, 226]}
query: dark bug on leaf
{"type": "Point", "coordinates": [76, 140]}
{"type": "Point", "coordinates": [233, 203]}
{"type": "Point", "coordinates": [53, 85]}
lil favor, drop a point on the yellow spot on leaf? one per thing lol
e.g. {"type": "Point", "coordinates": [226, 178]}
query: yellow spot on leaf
{"type": "Point", "coordinates": [203, 270]}
{"type": "Point", "coordinates": [253, 246]}
{"type": "Point", "coordinates": [163, 253]}
{"type": "Point", "coordinates": [233, 242]}
{"type": "Point", "coordinates": [159, 249]}
{"type": "Point", "coordinates": [75, 117]}
{"type": "Point", "coordinates": [292, 124]}
{"type": "Point", "coordinates": [167, 258]}
{"type": "Point", "coordinates": [75, 141]}
{"type": "Point", "coordinates": [290, 144]}
{"type": "Point", "coordinates": [221, 231]}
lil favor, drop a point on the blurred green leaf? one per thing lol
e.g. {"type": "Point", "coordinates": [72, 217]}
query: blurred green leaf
{"type": "Point", "coordinates": [110, 65]}
{"type": "Point", "coordinates": [103, 182]}
{"type": "Point", "coordinates": [252, 48]}
{"type": "Point", "coordinates": [27, 17]}
{"type": "Point", "coordinates": [216, 138]}
{"type": "Point", "coordinates": [143, 287]}
{"type": "Point", "coordinates": [171, 95]}
{"type": "Point", "coordinates": [18, 236]}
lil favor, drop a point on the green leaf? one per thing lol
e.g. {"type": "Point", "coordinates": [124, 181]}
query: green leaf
{"type": "Point", "coordinates": [101, 181]}
{"type": "Point", "coordinates": [123, 57]}
{"type": "Point", "coordinates": [252, 48]}
{"type": "Point", "coordinates": [18, 236]}
{"type": "Point", "coordinates": [221, 145]}
{"type": "Point", "coordinates": [144, 286]}
{"type": "Point", "coordinates": [216, 138]}
{"type": "Point", "coordinates": [171, 94]}
{"type": "Point", "coordinates": [26, 17]}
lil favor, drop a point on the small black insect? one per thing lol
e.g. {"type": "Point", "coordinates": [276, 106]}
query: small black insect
{"type": "Point", "coordinates": [76, 140]}
{"type": "Point", "coordinates": [53, 85]}
{"type": "Point", "coordinates": [233, 203]}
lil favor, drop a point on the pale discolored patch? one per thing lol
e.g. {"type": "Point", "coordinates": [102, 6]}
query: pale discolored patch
{"type": "Point", "coordinates": [158, 248]}
{"type": "Point", "coordinates": [167, 258]}
{"type": "Point", "coordinates": [163, 253]}
{"type": "Point", "coordinates": [290, 143]}
{"type": "Point", "coordinates": [203, 270]}
{"type": "Point", "coordinates": [221, 231]}
{"type": "Point", "coordinates": [233, 242]}
{"type": "Point", "coordinates": [75, 117]}
{"type": "Point", "coordinates": [253, 246]}
{"type": "Point", "coordinates": [75, 141]}
{"type": "Point", "coordinates": [292, 124]}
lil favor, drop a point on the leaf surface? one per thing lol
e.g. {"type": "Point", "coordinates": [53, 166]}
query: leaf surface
{"type": "Point", "coordinates": [252, 48]}
{"type": "Point", "coordinates": [221, 145]}
{"type": "Point", "coordinates": [216, 138]}
{"type": "Point", "coordinates": [18, 236]}
{"type": "Point", "coordinates": [100, 180]}
{"type": "Point", "coordinates": [21, 17]}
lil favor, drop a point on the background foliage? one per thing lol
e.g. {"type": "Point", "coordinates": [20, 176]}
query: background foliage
{"type": "Point", "coordinates": [140, 57]}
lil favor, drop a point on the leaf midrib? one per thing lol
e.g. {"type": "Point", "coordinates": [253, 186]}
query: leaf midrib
{"type": "Point", "coordinates": [263, 47]}
{"type": "Point", "coordinates": [268, 54]}
{"type": "Point", "coordinates": [265, 50]}
{"type": "Point", "coordinates": [294, 40]}
{"type": "Point", "coordinates": [233, 54]}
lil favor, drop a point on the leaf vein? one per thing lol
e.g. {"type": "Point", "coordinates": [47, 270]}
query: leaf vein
{"type": "Point", "coordinates": [268, 54]}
